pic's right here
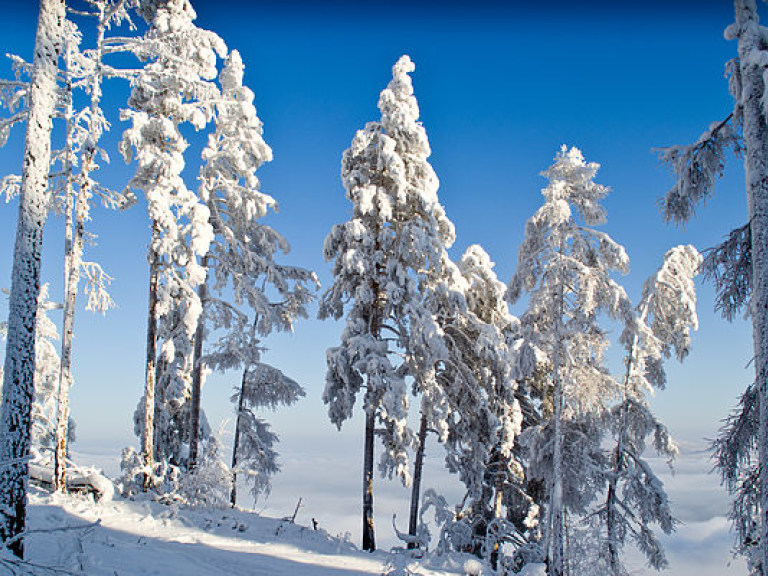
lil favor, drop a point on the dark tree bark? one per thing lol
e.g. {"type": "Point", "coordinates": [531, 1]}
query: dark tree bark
{"type": "Point", "coordinates": [148, 429]}
{"type": "Point", "coordinates": [418, 467]}
{"type": "Point", "coordinates": [236, 442]}
{"type": "Point", "coordinates": [19, 371]}
{"type": "Point", "coordinates": [369, 538]}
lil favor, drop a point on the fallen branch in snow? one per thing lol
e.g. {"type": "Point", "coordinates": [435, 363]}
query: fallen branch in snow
{"type": "Point", "coordinates": [292, 519]}
{"type": "Point", "coordinates": [18, 566]}
{"type": "Point", "coordinates": [15, 565]}
{"type": "Point", "coordinates": [288, 519]}
{"type": "Point", "coordinates": [26, 533]}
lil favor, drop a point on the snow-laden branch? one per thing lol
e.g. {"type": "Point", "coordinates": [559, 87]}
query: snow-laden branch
{"type": "Point", "coordinates": [696, 167]}
{"type": "Point", "coordinates": [729, 266]}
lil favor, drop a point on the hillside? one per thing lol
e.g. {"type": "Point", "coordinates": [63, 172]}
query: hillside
{"type": "Point", "coordinates": [125, 537]}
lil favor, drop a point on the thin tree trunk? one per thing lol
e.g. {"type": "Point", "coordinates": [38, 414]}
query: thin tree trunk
{"type": "Point", "coordinates": [65, 375]}
{"type": "Point", "coordinates": [556, 538]}
{"type": "Point", "coordinates": [197, 375]}
{"type": "Point", "coordinates": [611, 499]}
{"type": "Point", "coordinates": [148, 430]}
{"type": "Point", "coordinates": [756, 169]}
{"type": "Point", "coordinates": [369, 538]}
{"type": "Point", "coordinates": [417, 471]}
{"type": "Point", "coordinates": [19, 371]}
{"type": "Point", "coordinates": [498, 497]}
{"type": "Point", "coordinates": [73, 258]}
{"type": "Point", "coordinates": [236, 442]}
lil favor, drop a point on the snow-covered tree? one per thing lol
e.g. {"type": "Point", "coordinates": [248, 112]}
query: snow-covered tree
{"type": "Point", "coordinates": [18, 374]}
{"type": "Point", "coordinates": [71, 185]}
{"type": "Point", "coordinates": [47, 365]}
{"type": "Point", "coordinates": [247, 294]}
{"type": "Point", "coordinates": [565, 265]}
{"type": "Point", "coordinates": [474, 408]}
{"type": "Point", "coordinates": [635, 498]}
{"type": "Point", "coordinates": [382, 256]}
{"type": "Point", "coordinates": [739, 265]}
{"type": "Point", "coordinates": [472, 404]}
{"type": "Point", "coordinates": [80, 157]}
{"type": "Point", "coordinates": [173, 88]}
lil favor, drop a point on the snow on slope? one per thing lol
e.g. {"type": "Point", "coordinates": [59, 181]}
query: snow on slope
{"type": "Point", "coordinates": [143, 538]}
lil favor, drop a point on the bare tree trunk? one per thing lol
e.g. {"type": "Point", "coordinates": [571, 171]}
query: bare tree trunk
{"type": "Point", "coordinates": [417, 471]}
{"type": "Point", "coordinates": [65, 374]}
{"type": "Point", "coordinates": [19, 371]}
{"type": "Point", "coordinates": [236, 442]}
{"type": "Point", "coordinates": [197, 375]}
{"type": "Point", "coordinates": [369, 538]}
{"type": "Point", "coordinates": [148, 430]}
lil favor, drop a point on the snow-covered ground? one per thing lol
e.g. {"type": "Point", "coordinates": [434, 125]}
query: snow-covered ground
{"type": "Point", "coordinates": [139, 537]}
{"type": "Point", "coordinates": [121, 537]}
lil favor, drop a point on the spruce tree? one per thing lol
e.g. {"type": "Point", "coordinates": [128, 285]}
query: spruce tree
{"type": "Point", "coordinates": [397, 235]}
{"type": "Point", "coordinates": [564, 264]}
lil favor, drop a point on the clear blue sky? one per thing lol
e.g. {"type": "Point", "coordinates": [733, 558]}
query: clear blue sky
{"type": "Point", "coordinates": [500, 89]}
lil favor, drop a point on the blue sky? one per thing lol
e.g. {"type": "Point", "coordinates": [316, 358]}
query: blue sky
{"type": "Point", "coordinates": [500, 89]}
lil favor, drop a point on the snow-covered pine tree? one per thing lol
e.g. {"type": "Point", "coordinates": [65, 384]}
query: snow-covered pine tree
{"type": "Point", "coordinates": [243, 276]}
{"type": "Point", "coordinates": [471, 404]}
{"type": "Point", "coordinates": [635, 498]}
{"type": "Point", "coordinates": [173, 88]}
{"type": "Point", "coordinates": [739, 265]}
{"type": "Point", "coordinates": [500, 362]}
{"type": "Point", "coordinates": [565, 265]}
{"type": "Point", "coordinates": [19, 368]}
{"type": "Point", "coordinates": [396, 237]}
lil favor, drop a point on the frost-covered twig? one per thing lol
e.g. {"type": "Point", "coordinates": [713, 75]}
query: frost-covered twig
{"type": "Point", "coordinates": [729, 266]}
{"type": "Point", "coordinates": [696, 167]}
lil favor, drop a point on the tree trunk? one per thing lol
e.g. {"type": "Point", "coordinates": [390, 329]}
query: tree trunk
{"type": "Point", "coordinates": [417, 470]}
{"type": "Point", "coordinates": [148, 430]}
{"type": "Point", "coordinates": [611, 499]}
{"type": "Point", "coordinates": [19, 371]}
{"type": "Point", "coordinates": [369, 539]}
{"type": "Point", "coordinates": [756, 168]}
{"type": "Point", "coordinates": [197, 375]}
{"type": "Point", "coordinates": [610, 521]}
{"type": "Point", "coordinates": [73, 255]}
{"type": "Point", "coordinates": [498, 497]}
{"type": "Point", "coordinates": [65, 375]}
{"type": "Point", "coordinates": [236, 442]}
{"type": "Point", "coordinates": [555, 549]}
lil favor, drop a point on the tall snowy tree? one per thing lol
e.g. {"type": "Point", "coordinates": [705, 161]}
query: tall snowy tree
{"type": "Point", "coordinates": [565, 265]}
{"type": "Point", "coordinates": [382, 256]}
{"type": "Point", "coordinates": [242, 273]}
{"type": "Point", "coordinates": [173, 88]}
{"type": "Point", "coordinates": [71, 187]}
{"type": "Point", "coordinates": [18, 375]}
{"type": "Point", "coordinates": [635, 498]}
{"type": "Point", "coordinates": [84, 70]}
{"type": "Point", "coordinates": [739, 265]}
